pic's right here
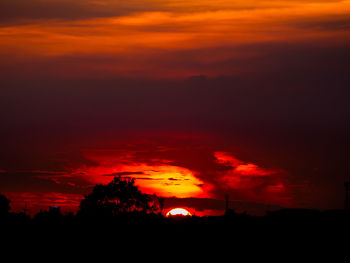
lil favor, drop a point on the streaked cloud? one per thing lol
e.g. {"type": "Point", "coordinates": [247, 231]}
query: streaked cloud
{"type": "Point", "coordinates": [154, 38]}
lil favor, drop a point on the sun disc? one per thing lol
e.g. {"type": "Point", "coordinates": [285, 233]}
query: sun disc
{"type": "Point", "coordinates": [178, 212]}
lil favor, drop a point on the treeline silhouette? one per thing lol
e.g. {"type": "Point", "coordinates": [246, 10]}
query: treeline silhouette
{"type": "Point", "coordinates": [120, 210]}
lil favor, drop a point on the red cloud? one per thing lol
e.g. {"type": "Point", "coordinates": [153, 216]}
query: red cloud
{"type": "Point", "coordinates": [252, 182]}
{"type": "Point", "coordinates": [241, 168]}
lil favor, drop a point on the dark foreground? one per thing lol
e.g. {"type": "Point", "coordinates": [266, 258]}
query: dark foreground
{"type": "Point", "coordinates": [293, 227]}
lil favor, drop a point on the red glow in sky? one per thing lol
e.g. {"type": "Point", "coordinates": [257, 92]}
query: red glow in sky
{"type": "Point", "coordinates": [193, 99]}
{"type": "Point", "coordinates": [178, 175]}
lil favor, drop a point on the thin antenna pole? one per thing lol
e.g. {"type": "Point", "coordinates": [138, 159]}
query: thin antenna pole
{"type": "Point", "coordinates": [25, 209]}
{"type": "Point", "coordinates": [347, 185]}
{"type": "Point", "coordinates": [227, 203]}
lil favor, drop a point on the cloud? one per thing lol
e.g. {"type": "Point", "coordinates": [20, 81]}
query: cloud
{"type": "Point", "coordinates": [82, 8]}
{"type": "Point", "coordinates": [25, 11]}
{"type": "Point", "coordinates": [331, 23]}
{"type": "Point", "coordinates": [124, 173]}
{"type": "Point", "coordinates": [240, 168]}
{"type": "Point", "coordinates": [249, 181]}
{"type": "Point", "coordinates": [153, 175]}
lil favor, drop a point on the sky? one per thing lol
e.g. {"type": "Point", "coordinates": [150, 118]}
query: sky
{"type": "Point", "coordinates": [193, 99]}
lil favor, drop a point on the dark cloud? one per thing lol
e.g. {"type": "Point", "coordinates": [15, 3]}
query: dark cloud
{"type": "Point", "coordinates": [333, 23]}
{"type": "Point", "coordinates": [13, 12]}
{"type": "Point", "coordinates": [25, 11]}
{"type": "Point", "coordinates": [124, 173]}
{"type": "Point", "coordinates": [31, 181]}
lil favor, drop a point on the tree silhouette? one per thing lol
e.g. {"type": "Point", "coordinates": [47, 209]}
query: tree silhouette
{"type": "Point", "coordinates": [120, 196]}
{"type": "Point", "coordinates": [4, 205]}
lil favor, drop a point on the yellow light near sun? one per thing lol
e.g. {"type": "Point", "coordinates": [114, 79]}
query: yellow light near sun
{"type": "Point", "coordinates": [178, 212]}
{"type": "Point", "coordinates": [164, 179]}
{"type": "Point", "coordinates": [167, 181]}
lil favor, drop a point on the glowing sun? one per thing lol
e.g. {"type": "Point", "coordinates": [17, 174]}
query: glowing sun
{"type": "Point", "coordinates": [178, 212]}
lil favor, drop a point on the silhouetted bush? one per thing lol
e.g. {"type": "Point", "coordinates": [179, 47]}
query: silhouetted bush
{"type": "Point", "coordinates": [120, 196]}
{"type": "Point", "coordinates": [4, 205]}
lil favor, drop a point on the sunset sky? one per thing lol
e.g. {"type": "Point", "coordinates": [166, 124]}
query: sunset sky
{"type": "Point", "coordinates": [194, 99]}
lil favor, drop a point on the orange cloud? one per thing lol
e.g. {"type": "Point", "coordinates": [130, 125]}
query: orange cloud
{"type": "Point", "coordinates": [141, 41]}
{"type": "Point", "coordinates": [161, 178]}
